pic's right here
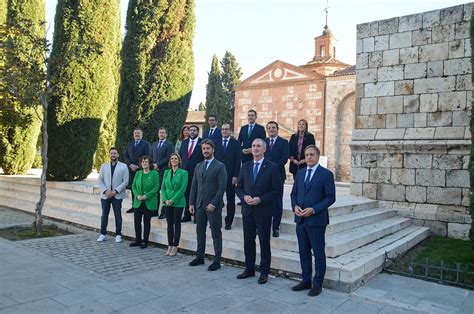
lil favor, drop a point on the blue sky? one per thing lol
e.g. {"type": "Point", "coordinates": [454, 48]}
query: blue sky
{"type": "Point", "coordinates": [259, 32]}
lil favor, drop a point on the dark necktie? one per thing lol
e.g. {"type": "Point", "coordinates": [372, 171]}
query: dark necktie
{"type": "Point", "coordinates": [271, 144]}
{"type": "Point", "coordinates": [255, 171]}
{"type": "Point", "coordinates": [308, 177]}
{"type": "Point", "coordinates": [210, 133]}
{"type": "Point", "coordinates": [207, 165]}
{"type": "Point", "coordinates": [136, 144]}
{"type": "Point", "coordinates": [250, 130]}
{"type": "Point", "coordinates": [224, 145]}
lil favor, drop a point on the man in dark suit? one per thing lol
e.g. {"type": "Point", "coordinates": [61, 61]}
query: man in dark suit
{"type": "Point", "coordinates": [312, 194]}
{"type": "Point", "coordinates": [257, 187]}
{"type": "Point", "coordinates": [161, 151]}
{"type": "Point", "coordinates": [135, 149]}
{"type": "Point", "coordinates": [191, 154]}
{"type": "Point", "coordinates": [214, 133]}
{"type": "Point", "coordinates": [205, 201]}
{"type": "Point", "coordinates": [278, 151]}
{"type": "Point", "coordinates": [248, 133]}
{"type": "Point", "coordinates": [228, 152]}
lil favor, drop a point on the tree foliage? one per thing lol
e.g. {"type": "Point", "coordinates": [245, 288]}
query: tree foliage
{"type": "Point", "coordinates": [85, 53]}
{"type": "Point", "coordinates": [157, 71]}
{"type": "Point", "coordinates": [215, 96]}
{"type": "Point", "coordinates": [231, 74]}
{"type": "Point", "coordinates": [19, 122]}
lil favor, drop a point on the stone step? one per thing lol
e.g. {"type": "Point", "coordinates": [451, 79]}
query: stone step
{"type": "Point", "coordinates": [88, 192]}
{"type": "Point", "coordinates": [344, 272]}
{"type": "Point", "coordinates": [339, 223]}
{"type": "Point", "coordinates": [337, 244]}
{"type": "Point", "coordinates": [349, 240]}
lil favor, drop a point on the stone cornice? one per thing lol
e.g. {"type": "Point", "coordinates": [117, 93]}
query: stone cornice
{"type": "Point", "coordinates": [414, 146]}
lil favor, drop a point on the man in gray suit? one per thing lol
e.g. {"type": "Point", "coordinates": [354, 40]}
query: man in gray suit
{"type": "Point", "coordinates": [206, 200]}
{"type": "Point", "coordinates": [161, 151]}
{"type": "Point", "coordinates": [113, 180]}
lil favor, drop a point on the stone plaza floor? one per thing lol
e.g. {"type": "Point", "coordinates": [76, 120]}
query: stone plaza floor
{"type": "Point", "coordinates": [75, 274]}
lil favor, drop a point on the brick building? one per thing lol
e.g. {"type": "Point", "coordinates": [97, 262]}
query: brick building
{"type": "Point", "coordinates": [321, 91]}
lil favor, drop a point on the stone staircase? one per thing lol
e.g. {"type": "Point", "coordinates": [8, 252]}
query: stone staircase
{"type": "Point", "coordinates": [359, 234]}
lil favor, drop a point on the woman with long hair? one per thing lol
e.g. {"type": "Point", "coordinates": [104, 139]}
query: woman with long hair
{"type": "Point", "coordinates": [175, 181]}
{"type": "Point", "coordinates": [298, 142]}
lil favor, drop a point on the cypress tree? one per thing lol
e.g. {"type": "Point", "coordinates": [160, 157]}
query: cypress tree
{"type": "Point", "coordinates": [157, 68]}
{"type": "Point", "coordinates": [231, 74]}
{"type": "Point", "coordinates": [215, 96]}
{"type": "Point", "coordinates": [86, 41]}
{"type": "Point", "coordinates": [19, 123]}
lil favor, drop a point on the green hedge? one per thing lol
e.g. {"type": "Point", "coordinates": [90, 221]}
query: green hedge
{"type": "Point", "coordinates": [157, 72]}
{"type": "Point", "coordinates": [83, 69]}
{"type": "Point", "coordinates": [19, 123]}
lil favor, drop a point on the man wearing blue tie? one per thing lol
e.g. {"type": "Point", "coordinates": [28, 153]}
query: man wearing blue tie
{"type": "Point", "coordinates": [257, 186]}
{"type": "Point", "coordinates": [214, 133]}
{"type": "Point", "coordinates": [312, 194]}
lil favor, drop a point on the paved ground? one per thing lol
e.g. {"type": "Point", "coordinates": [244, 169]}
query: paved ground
{"type": "Point", "coordinates": [75, 274]}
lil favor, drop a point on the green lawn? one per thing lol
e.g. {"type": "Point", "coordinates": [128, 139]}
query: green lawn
{"type": "Point", "coordinates": [438, 249]}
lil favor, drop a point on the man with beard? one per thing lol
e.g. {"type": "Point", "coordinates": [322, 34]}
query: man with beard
{"type": "Point", "coordinates": [191, 154]}
{"type": "Point", "coordinates": [113, 180]}
{"type": "Point", "coordinates": [205, 201]}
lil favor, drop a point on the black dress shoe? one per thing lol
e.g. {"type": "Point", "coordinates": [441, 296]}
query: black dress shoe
{"type": "Point", "coordinates": [186, 219]}
{"type": "Point", "coordinates": [314, 292]}
{"type": "Point", "coordinates": [262, 279]}
{"type": "Point", "coordinates": [144, 245]}
{"type": "Point", "coordinates": [130, 211]}
{"type": "Point", "coordinates": [301, 286]}
{"type": "Point", "coordinates": [276, 233]}
{"type": "Point", "coordinates": [246, 274]}
{"type": "Point", "coordinates": [196, 262]}
{"type": "Point", "coordinates": [214, 266]}
{"type": "Point", "coordinates": [162, 216]}
{"type": "Point", "coordinates": [135, 244]}
{"type": "Point", "coordinates": [228, 227]}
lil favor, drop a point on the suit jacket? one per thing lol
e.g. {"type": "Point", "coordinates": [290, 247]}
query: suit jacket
{"type": "Point", "coordinates": [308, 139]}
{"type": "Point", "coordinates": [173, 189]}
{"type": "Point", "coordinates": [278, 154]}
{"type": "Point", "coordinates": [119, 182]}
{"type": "Point", "coordinates": [209, 185]}
{"type": "Point", "coordinates": [231, 157]}
{"type": "Point", "coordinates": [162, 157]}
{"type": "Point", "coordinates": [246, 141]}
{"type": "Point", "coordinates": [149, 188]}
{"type": "Point", "coordinates": [196, 157]}
{"type": "Point", "coordinates": [216, 136]}
{"type": "Point", "coordinates": [319, 195]}
{"type": "Point", "coordinates": [133, 154]}
{"type": "Point", "coordinates": [266, 186]}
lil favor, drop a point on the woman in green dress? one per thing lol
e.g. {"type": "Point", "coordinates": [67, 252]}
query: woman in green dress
{"type": "Point", "coordinates": [175, 181]}
{"type": "Point", "coordinates": [145, 187]}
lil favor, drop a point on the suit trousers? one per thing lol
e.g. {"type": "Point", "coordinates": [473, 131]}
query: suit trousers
{"type": "Point", "coordinates": [312, 238]}
{"type": "Point", "coordinates": [215, 222]}
{"type": "Point", "coordinates": [278, 207]}
{"type": "Point", "coordinates": [173, 220]}
{"type": "Point", "coordinates": [253, 223]}
{"type": "Point", "coordinates": [104, 220]}
{"type": "Point", "coordinates": [131, 176]}
{"type": "Point", "coordinates": [138, 213]}
{"type": "Point", "coordinates": [230, 206]}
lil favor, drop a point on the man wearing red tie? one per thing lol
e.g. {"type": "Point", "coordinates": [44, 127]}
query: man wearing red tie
{"type": "Point", "coordinates": [191, 154]}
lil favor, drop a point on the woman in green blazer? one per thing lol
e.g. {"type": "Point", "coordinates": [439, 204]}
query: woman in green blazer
{"type": "Point", "coordinates": [175, 181]}
{"type": "Point", "coordinates": [145, 187]}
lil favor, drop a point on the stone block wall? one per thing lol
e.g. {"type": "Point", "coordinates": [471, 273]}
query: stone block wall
{"type": "Point", "coordinates": [411, 142]}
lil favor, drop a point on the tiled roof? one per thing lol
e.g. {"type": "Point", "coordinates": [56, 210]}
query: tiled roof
{"type": "Point", "coordinates": [346, 71]}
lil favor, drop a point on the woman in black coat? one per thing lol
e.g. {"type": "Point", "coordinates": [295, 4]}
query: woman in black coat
{"type": "Point", "coordinates": [298, 142]}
